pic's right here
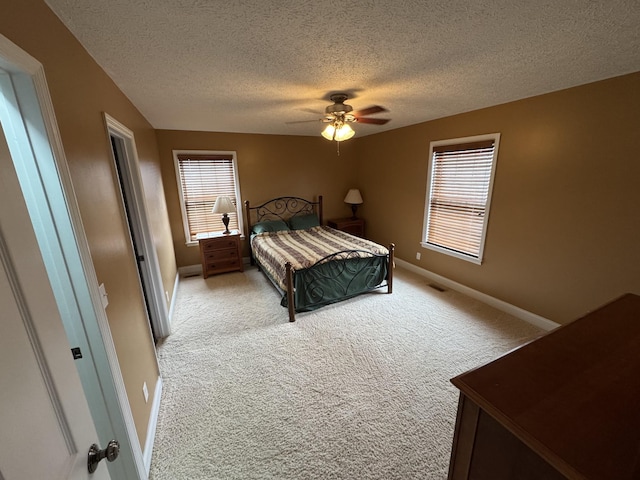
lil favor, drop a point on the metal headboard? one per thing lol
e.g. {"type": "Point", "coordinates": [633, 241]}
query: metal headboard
{"type": "Point", "coordinates": [282, 208]}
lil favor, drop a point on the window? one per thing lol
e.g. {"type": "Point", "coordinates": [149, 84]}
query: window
{"type": "Point", "coordinates": [458, 195]}
{"type": "Point", "coordinates": [203, 177]}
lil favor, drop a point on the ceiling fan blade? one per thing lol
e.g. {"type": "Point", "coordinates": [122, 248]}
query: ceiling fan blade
{"type": "Point", "coordinates": [374, 121]}
{"type": "Point", "coordinates": [311, 110]}
{"type": "Point", "coordinates": [370, 111]}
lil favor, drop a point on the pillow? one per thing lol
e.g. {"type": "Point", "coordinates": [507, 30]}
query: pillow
{"type": "Point", "coordinates": [302, 222]}
{"type": "Point", "coordinates": [269, 226]}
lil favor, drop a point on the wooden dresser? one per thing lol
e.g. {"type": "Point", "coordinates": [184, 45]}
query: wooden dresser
{"type": "Point", "coordinates": [220, 253]}
{"type": "Point", "coordinates": [566, 405]}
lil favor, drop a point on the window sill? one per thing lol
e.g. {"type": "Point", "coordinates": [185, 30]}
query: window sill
{"type": "Point", "coordinates": [452, 253]}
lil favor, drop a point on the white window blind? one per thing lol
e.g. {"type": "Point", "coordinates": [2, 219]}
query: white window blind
{"type": "Point", "coordinates": [459, 191]}
{"type": "Point", "coordinates": [202, 178]}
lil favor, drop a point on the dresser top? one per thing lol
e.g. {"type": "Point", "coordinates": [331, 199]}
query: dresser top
{"type": "Point", "coordinates": [572, 395]}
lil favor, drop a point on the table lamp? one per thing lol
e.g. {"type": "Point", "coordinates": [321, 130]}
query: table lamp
{"type": "Point", "coordinates": [354, 198]}
{"type": "Point", "coordinates": [224, 205]}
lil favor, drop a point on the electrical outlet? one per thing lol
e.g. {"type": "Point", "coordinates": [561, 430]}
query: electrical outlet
{"type": "Point", "coordinates": [417, 255]}
{"type": "Point", "coordinates": [145, 392]}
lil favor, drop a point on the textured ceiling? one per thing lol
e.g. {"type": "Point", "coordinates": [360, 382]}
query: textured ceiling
{"type": "Point", "coordinates": [252, 65]}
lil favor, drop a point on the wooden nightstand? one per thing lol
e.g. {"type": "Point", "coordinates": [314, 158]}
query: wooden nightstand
{"type": "Point", "coordinates": [220, 253]}
{"type": "Point", "coordinates": [354, 226]}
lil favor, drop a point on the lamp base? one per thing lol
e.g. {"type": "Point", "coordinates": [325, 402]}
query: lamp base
{"type": "Point", "coordinates": [225, 220]}
{"type": "Point", "coordinates": [354, 208]}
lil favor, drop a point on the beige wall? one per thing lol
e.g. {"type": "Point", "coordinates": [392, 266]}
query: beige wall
{"type": "Point", "coordinates": [268, 166]}
{"type": "Point", "coordinates": [80, 92]}
{"type": "Point", "coordinates": [564, 226]}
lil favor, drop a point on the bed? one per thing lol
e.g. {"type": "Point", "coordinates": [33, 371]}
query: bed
{"type": "Point", "coordinates": [310, 264]}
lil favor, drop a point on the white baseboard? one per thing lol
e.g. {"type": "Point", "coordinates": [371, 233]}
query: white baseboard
{"type": "Point", "coordinates": [153, 423]}
{"type": "Point", "coordinates": [193, 270]}
{"type": "Point", "coordinates": [190, 270]}
{"type": "Point", "coordinates": [517, 312]}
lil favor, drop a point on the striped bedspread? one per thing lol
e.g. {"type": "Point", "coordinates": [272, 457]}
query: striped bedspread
{"type": "Point", "coordinates": [303, 248]}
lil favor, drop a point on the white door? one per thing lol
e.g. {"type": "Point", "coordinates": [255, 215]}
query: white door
{"type": "Point", "coordinates": [46, 428]}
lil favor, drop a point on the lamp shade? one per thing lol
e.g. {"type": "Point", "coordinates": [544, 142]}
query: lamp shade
{"type": "Point", "coordinates": [343, 132]}
{"type": "Point", "coordinates": [223, 205]}
{"type": "Point", "coordinates": [353, 197]}
{"type": "Point", "coordinates": [328, 132]}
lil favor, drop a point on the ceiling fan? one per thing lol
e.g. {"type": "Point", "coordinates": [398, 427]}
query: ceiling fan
{"type": "Point", "coordinates": [339, 115]}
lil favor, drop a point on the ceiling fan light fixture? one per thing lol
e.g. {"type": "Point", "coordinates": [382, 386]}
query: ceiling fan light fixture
{"type": "Point", "coordinates": [328, 132]}
{"type": "Point", "coordinates": [339, 134]}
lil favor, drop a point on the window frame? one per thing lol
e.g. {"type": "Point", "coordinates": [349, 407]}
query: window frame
{"type": "Point", "coordinates": [495, 137]}
{"type": "Point", "coordinates": [183, 208]}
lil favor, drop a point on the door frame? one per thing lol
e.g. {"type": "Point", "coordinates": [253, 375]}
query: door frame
{"type": "Point", "coordinates": [28, 77]}
{"type": "Point", "coordinates": [135, 205]}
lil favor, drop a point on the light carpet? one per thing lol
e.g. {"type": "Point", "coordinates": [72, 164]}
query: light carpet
{"type": "Point", "coordinates": [356, 390]}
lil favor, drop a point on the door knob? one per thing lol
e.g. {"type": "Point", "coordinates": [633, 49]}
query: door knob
{"type": "Point", "coordinates": [96, 455]}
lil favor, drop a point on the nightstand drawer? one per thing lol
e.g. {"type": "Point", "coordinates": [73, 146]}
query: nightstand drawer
{"type": "Point", "coordinates": [219, 244]}
{"type": "Point", "coordinates": [223, 265]}
{"type": "Point", "coordinates": [222, 254]}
